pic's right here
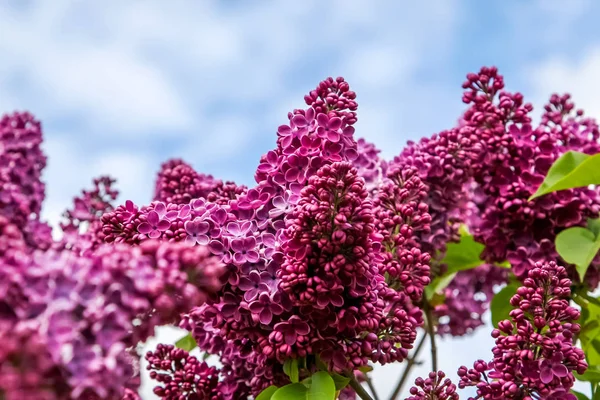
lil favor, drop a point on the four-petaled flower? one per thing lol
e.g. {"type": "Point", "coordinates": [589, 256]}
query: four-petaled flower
{"type": "Point", "coordinates": [292, 328]}
{"type": "Point", "coordinates": [265, 308]}
{"type": "Point", "coordinates": [197, 230]}
{"type": "Point", "coordinates": [244, 250]}
{"type": "Point", "coordinates": [253, 285]}
{"type": "Point", "coordinates": [154, 225]}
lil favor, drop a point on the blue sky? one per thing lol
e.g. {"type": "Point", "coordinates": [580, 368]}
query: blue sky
{"type": "Point", "coordinates": [123, 86]}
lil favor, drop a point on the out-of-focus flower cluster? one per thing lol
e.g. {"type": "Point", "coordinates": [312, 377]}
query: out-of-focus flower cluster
{"type": "Point", "coordinates": [73, 311]}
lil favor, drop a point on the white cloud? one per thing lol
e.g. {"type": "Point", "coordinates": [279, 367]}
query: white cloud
{"type": "Point", "coordinates": [564, 75]}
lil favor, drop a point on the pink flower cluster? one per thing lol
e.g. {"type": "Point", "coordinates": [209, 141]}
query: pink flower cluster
{"type": "Point", "coordinates": [534, 356]}
{"type": "Point", "coordinates": [324, 261]}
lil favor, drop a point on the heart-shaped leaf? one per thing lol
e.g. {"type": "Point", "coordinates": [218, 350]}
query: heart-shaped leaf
{"type": "Point", "coordinates": [572, 170]}
{"type": "Point", "coordinates": [578, 246]}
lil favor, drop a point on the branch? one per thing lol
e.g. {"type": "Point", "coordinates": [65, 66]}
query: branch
{"type": "Point", "coordinates": [411, 361]}
{"type": "Point", "coordinates": [360, 391]}
{"type": "Point", "coordinates": [431, 332]}
{"type": "Point", "coordinates": [372, 387]}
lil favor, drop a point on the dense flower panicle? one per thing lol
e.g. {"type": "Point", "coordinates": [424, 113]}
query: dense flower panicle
{"type": "Point", "coordinates": [535, 354]}
{"type": "Point", "coordinates": [21, 165]}
{"type": "Point", "coordinates": [435, 387]}
{"type": "Point", "coordinates": [369, 165]}
{"type": "Point", "coordinates": [88, 311]}
{"type": "Point", "coordinates": [401, 216]}
{"type": "Point", "coordinates": [182, 376]}
{"type": "Point", "coordinates": [178, 183]}
{"type": "Point", "coordinates": [467, 298]}
{"type": "Point", "coordinates": [514, 161]}
{"type": "Point", "coordinates": [444, 163]}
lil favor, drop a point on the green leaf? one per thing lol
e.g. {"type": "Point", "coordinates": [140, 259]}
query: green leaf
{"type": "Point", "coordinates": [340, 381]}
{"type": "Point", "coordinates": [463, 255]}
{"type": "Point", "coordinates": [500, 305]}
{"type": "Point", "coordinates": [293, 391]}
{"type": "Point", "coordinates": [593, 225]}
{"type": "Point", "coordinates": [578, 246]}
{"type": "Point", "coordinates": [590, 334]}
{"type": "Point", "coordinates": [186, 343]}
{"type": "Point", "coordinates": [591, 375]}
{"type": "Point", "coordinates": [365, 368]}
{"type": "Point", "coordinates": [322, 387]}
{"type": "Point", "coordinates": [290, 367]}
{"type": "Point", "coordinates": [437, 285]}
{"type": "Point", "coordinates": [572, 170]}
{"type": "Point", "coordinates": [267, 394]}
{"type": "Point", "coordinates": [580, 396]}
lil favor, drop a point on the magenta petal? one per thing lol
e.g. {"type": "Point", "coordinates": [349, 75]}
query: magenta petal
{"type": "Point", "coordinates": [144, 228]}
{"type": "Point", "coordinates": [160, 208]}
{"type": "Point", "coordinates": [252, 256]}
{"type": "Point", "coordinates": [153, 218]}
{"type": "Point", "coordinates": [546, 375]}
{"type": "Point", "coordinates": [154, 234]}
{"type": "Point", "coordinates": [216, 247]}
{"type": "Point", "coordinates": [279, 202]}
{"type": "Point", "coordinates": [266, 316]}
{"type": "Point", "coordinates": [290, 337]}
{"type": "Point", "coordinates": [560, 370]}
{"type": "Point", "coordinates": [292, 174]}
{"type": "Point", "coordinates": [284, 130]}
{"type": "Point", "coordinates": [299, 120]}
{"type": "Point", "coordinates": [237, 245]}
{"type": "Point", "coordinates": [334, 123]}
{"type": "Point", "coordinates": [239, 258]}
{"type": "Point", "coordinates": [163, 225]}
{"type": "Point", "coordinates": [255, 307]}
{"type": "Point", "coordinates": [302, 328]}
{"type": "Point", "coordinates": [322, 119]}
{"type": "Point", "coordinates": [203, 240]}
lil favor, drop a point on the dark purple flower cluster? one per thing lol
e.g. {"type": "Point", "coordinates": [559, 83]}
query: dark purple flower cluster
{"type": "Point", "coordinates": [178, 183]}
{"type": "Point", "coordinates": [435, 387]}
{"type": "Point", "coordinates": [535, 355]}
{"type": "Point", "coordinates": [514, 159]}
{"type": "Point", "coordinates": [467, 298]}
{"type": "Point", "coordinates": [181, 375]}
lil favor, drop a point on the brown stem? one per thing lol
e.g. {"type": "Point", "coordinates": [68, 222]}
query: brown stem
{"type": "Point", "coordinates": [410, 363]}
{"type": "Point", "coordinates": [360, 391]}
{"type": "Point", "coordinates": [431, 332]}
{"type": "Point", "coordinates": [372, 387]}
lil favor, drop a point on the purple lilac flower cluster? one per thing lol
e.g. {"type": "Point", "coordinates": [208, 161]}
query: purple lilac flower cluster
{"type": "Point", "coordinates": [514, 159]}
{"type": "Point", "coordinates": [534, 356]}
{"type": "Point", "coordinates": [324, 261]}
{"type": "Point", "coordinates": [86, 313]}
{"type": "Point", "coordinates": [435, 387]}
{"type": "Point", "coordinates": [306, 259]}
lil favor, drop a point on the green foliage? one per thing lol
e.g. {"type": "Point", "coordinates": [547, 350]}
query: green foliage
{"type": "Point", "coordinates": [572, 170]}
{"type": "Point", "coordinates": [186, 343]}
{"type": "Point", "coordinates": [590, 335]}
{"type": "Point", "coordinates": [340, 381]}
{"type": "Point", "coordinates": [579, 246]}
{"type": "Point", "coordinates": [290, 368]}
{"type": "Point", "coordinates": [580, 396]}
{"type": "Point", "coordinates": [459, 256]}
{"type": "Point", "coordinates": [320, 386]}
{"type": "Point", "coordinates": [500, 305]}
{"type": "Point", "coordinates": [267, 394]}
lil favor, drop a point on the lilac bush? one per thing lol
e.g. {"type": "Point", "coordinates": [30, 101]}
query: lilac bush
{"type": "Point", "coordinates": [335, 260]}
